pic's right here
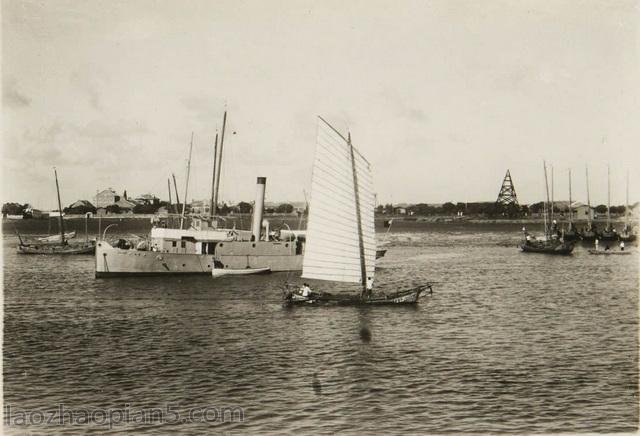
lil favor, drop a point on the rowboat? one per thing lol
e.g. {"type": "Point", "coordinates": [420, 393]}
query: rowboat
{"type": "Point", "coordinates": [219, 272]}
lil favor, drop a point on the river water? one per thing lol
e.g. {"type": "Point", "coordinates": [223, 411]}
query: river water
{"type": "Point", "coordinates": [508, 342]}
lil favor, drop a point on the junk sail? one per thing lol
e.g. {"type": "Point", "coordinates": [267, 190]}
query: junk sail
{"type": "Point", "coordinates": [341, 244]}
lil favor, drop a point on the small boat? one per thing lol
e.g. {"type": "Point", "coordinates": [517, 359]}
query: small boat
{"type": "Point", "coordinates": [342, 203]}
{"type": "Point", "coordinates": [590, 233]}
{"type": "Point", "coordinates": [570, 234]}
{"type": "Point", "coordinates": [547, 247]}
{"type": "Point", "coordinates": [550, 244]}
{"type": "Point", "coordinates": [627, 234]}
{"type": "Point", "coordinates": [78, 248]}
{"type": "Point", "coordinates": [57, 238]}
{"type": "Point", "coordinates": [220, 272]}
{"type": "Point", "coordinates": [407, 296]}
{"type": "Point", "coordinates": [609, 252]}
{"type": "Point", "coordinates": [61, 246]}
{"type": "Point", "coordinates": [609, 233]}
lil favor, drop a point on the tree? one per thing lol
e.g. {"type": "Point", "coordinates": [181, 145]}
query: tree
{"type": "Point", "coordinates": [537, 207]}
{"type": "Point", "coordinates": [145, 208]}
{"type": "Point", "coordinates": [245, 207]}
{"type": "Point", "coordinates": [380, 209]}
{"type": "Point", "coordinates": [113, 208]}
{"type": "Point", "coordinates": [13, 208]}
{"type": "Point", "coordinates": [284, 208]}
{"type": "Point", "coordinates": [448, 208]}
{"type": "Point", "coordinates": [601, 208]}
{"type": "Point", "coordinates": [223, 209]}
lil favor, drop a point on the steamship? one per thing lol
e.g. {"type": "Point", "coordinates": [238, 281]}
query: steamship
{"type": "Point", "coordinates": [204, 246]}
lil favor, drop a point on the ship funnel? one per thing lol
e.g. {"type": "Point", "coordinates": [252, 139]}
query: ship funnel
{"type": "Point", "coordinates": [258, 209]}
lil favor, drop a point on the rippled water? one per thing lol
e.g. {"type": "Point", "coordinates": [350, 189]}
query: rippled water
{"type": "Point", "coordinates": [508, 342]}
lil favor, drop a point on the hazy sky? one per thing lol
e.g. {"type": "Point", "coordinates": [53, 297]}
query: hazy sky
{"type": "Point", "coordinates": [441, 96]}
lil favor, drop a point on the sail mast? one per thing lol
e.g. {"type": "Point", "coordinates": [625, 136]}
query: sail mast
{"type": "Point", "coordinates": [186, 187]}
{"type": "Point", "coordinates": [213, 178]}
{"type": "Point", "coordinates": [626, 207]}
{"type": "Point", "coordinates": [570, 207]}
{"type": "Point", "coordinates": [363, 266]}
{"type": "Point", "coordinates": [175, 186]}
{"type": "Point", "coordinates": [586, 167]}
{"type": "Point", "coordinates": [608, 198]}
{"type": "Point", "coordinates": [552, 206]}
{"type": "Point", "coordinates": [59, 207]}
{"type": "Point", "coordinates": [215, 199]}
{"type": "Point", "coordinates": [169, 187]}
{"type": "Point", "coordinates": [546, 185]}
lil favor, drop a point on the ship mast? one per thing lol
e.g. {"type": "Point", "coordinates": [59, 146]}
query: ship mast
{"type": "Point", "coordinates": [588, 198]}
{"type": "Point", "coordinates": [175, 186]}
{"type": "Point", "coordinates": [186, 187]}
{"type": "Point", "coordinates": [570, 206]}
{"type": "Point", "coordinates": [59, 207]}
{"type": "Point", "coordinates": [608, 198]}
{"type": "Point", "coordinates": [552, 207]}
{"type": "Point", "coordinates": [546, 185]}
{"type": "Point", "coordinates": [626, 207]}
{"type": "Point", "coordinates": [215, 198]}
{"type": "Point", "coordinates": [363, 267]}
{"type": "Point", "coordinates": [213, 179]}
{"type": "Point", "coordinates": [169, 187]}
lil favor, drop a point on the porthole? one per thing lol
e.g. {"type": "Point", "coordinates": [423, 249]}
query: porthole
{"type": "Point", "coordinates": [253, 245]}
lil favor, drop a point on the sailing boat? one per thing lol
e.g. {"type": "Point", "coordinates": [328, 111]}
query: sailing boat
{"type": "Point", "coordinates": [609, 233]}
{"type": "Point", "coordinates": [341, 243]}
{"type": "Point", "coordinates": [57, 247]}
{"type": "Point", "coordinates": [551, 244]}
{"type": "Point", "coordinates": [590, 233]}
{"type": "Point", "coordinates": [570, 234]}
{"type": "Point", "coordinates": [627, 235]}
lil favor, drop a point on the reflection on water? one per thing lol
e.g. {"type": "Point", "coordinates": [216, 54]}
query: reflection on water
{"type": "Point", "coordinates": [507, 342]}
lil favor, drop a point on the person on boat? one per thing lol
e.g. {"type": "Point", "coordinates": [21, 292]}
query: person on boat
{"type": "Point", "coordinates": [597, 242]}
{"type": "Point", "coordinates": [306, 290]}
{"type": "Point", "coordinates": [621, 245]}
{"type": "Point", "coordinates": [369, 287]}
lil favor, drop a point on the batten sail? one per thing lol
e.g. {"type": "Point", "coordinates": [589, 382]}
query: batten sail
{"type": "Point", "coordinates": [335, 249]}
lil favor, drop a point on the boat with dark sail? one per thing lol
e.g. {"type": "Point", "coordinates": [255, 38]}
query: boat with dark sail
{"type": "Point", "coordinates": [550, 243]}
{"type": "Point", "coordinates": [55, 245]}
{"type": "Point", "coordinates": [341, 240]}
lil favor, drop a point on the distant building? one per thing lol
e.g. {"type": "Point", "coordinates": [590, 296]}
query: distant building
{"type": "Point", "coordinates": [582, 212]}
{"type": "Point", "coordinates": [147, 199]}
{"type": "Point", "coordinates": [399, 210]}
{"type": "Point", "coordinates": [106, 198]}
{"type": "Point", "coordinates": [200, 207]}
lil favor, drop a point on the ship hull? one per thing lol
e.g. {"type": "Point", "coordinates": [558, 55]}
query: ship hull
{"type": "Point", "coordinates": [112, 262]}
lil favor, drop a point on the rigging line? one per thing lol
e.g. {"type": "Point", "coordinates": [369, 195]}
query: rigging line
{"type": "Point", "coordinates": [339, 134]}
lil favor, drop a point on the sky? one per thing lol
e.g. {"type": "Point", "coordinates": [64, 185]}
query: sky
{"type": "Point", "coordinates": [442, 97]}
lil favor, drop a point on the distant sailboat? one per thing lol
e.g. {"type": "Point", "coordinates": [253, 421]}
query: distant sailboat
{"type": "Point", "coordinates": [627, 234]}
{"type": "Point", "coordinates": [570, 234]}
{"type": "Point", "coordinates": [589, 234]}
{"type": "Point", "coordinates": [341, 242]}
{"type": "Point", "coordinates": [609, 233]}
{"type": "Point", "coordinates": [57, 245]}
{"type": "Point", "coordinates": [551, 244]}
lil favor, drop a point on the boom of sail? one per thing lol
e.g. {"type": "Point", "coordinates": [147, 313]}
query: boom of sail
{"type": "Point", "coordinates": [341, 243]}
